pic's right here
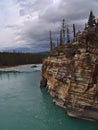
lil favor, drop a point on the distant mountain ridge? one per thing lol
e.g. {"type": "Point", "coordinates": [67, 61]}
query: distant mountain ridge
{"type": "Point", "coordinates": [23, 50]}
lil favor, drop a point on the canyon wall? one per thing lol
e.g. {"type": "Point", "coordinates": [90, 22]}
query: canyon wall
{"type": "Point", "coordinates": [70, 74]}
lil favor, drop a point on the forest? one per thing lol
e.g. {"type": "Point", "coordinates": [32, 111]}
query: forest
{"type": "Point", "coordinates": [13, 58]}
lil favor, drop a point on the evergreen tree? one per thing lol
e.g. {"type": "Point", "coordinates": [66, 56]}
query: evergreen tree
{"type": "Point", "coordinates": [74, 30]}
{"type": "Point", "coordinates": [68, 35]}
{"type": "Point", "coordinates": [57, 42]}
{"type": "Point", "coordinates": [85, 26]}
{"type": "Point", "coordinates": [91, 20]}
{"type": "Point", "coordinates": [63, 31]}
{"type": "Point", "coordinates": [51, 44]}
{"type": "Point", "coordinates": [61, 38]}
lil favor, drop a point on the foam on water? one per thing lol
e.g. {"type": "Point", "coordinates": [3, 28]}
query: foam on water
{"type": "Point", "coordinates": [22, 69]}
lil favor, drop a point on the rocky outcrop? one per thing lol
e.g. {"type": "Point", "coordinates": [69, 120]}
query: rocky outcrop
{"type": "Point", "coordinates": [70, 74]}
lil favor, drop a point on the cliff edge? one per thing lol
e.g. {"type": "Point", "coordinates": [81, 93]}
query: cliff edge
{"type": "Point", "coordinates": [70, 74]}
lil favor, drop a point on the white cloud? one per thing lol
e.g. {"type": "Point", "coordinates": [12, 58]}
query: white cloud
{"type": "Point", "coordinates": [26, 23]}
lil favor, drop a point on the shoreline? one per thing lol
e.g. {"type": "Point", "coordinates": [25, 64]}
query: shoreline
{"type": "Point", "coordinates": [5, 67]}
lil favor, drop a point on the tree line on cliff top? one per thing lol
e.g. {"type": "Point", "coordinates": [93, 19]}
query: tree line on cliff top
{"type": "Point", "coordinates": [64, 33]}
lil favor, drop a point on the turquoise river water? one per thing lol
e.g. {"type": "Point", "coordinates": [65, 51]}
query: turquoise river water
{"type": "Point", "coordinates": [24, 106]}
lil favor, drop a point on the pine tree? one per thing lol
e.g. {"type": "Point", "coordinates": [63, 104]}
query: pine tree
{"type": "Point", "coordinates": [51, 44]}
{"type": "Point", "coordinates": [61, 38]}
{"type": "Point", "coordinates": [74, 30]}
{"type": "Point", "coordinates": [57, 42]}
{"type": "Point", "coordinates": [91, 20]}
{"type": "Point", "coordinates": [68, 35]}
{"type": "Point", "coordinates": [63, 31]}
{"type": "Point", "coordinates": [85, 26]}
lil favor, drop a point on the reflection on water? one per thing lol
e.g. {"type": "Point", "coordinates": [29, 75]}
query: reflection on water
{"type": "Point", "coordinates": [8, 74]}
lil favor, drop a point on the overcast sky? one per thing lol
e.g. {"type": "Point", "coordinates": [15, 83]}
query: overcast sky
{"type": "Point", "coordinates": [26, 23]}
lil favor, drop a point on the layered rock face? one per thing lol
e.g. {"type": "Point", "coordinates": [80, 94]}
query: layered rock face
{"type": "Point", "coordinates": [70, 74]}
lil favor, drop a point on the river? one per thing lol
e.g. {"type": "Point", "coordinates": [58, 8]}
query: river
{"type": "Point", "coordinates": [24, 106]}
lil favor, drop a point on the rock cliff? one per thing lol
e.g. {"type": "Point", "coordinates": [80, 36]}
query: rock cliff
{"type": "Point", "coordinates": [70, 74]}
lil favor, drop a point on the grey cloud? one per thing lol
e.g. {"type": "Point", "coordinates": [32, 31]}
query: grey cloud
{"type": "Point", "coordinates": [71, 10]}
{"type": "Point", "coordinates": [12, 26]}
{"type": "Point", "coordinates": [48, 16]}
{"type": "Point", "coordinates": [22, 12]}
{"type": "Point", "coordinates": [35, 5]}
